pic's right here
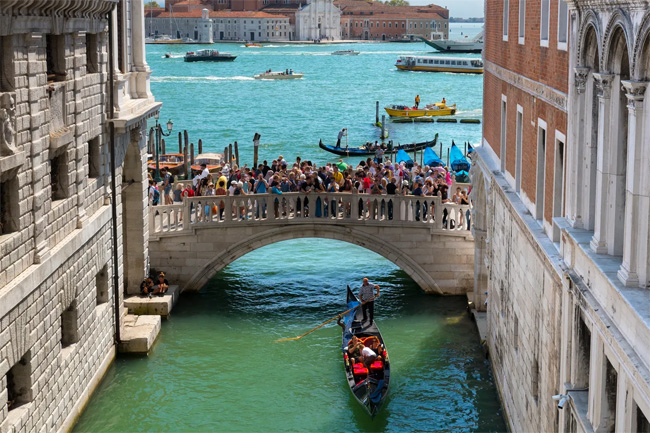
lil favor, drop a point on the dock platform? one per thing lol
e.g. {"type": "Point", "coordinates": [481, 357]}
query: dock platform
{"type": "Point", "coordinates": [156, 306]}
{"type": "Point", "coordinates": [139, 334]}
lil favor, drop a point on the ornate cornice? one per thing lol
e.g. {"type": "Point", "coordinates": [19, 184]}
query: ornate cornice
{"type": "Point", "coordinates": [604, 84]}
{"type": "Point", "coordinates": [581, 74]}
{"type": "Point", "coordinates": [57, 8]}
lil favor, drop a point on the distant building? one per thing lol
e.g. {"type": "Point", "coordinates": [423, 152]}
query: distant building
{"type": "Point", "coordinates": [561, 216]}
{"type": "Point", "coordinates": [369, 20]}
{"type": "Point", "coordinates": [318, 19]}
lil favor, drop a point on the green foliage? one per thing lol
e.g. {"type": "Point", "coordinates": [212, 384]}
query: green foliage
{"type": "Point", "coordinates": [397, 3]}
{"type": "Point", "coordinates": [151, 4]}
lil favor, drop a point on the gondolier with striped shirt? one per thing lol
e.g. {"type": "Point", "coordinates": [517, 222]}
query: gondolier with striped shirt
{"type": "Point", "coordinates": [368, 299]}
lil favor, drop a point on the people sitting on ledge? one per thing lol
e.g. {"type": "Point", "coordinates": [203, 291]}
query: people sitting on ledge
{"type": "Point", "coordinates": [150, 288]}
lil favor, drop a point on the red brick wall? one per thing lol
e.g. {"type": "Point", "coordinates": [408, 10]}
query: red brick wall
{"type": "Point", "coordinates": [548, 66]}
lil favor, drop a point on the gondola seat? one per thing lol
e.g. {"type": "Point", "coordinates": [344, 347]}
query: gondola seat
{"type": "Point", "coordinates": [377, 366]}
{"type": "Point", "coordinates": [360, 370]}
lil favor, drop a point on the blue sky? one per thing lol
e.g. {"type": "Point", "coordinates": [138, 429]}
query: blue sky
{"type": "Point", "coordinates": [457, 8]}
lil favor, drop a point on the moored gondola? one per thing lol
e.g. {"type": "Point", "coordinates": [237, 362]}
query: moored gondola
{"type": "Point", "coordinates": [369, 386]}
{"type": "Point", "coordinates": [355, 151]}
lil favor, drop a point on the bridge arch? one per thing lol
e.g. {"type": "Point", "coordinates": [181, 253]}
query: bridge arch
{"type": "Point", "coordinates": [272, 235]}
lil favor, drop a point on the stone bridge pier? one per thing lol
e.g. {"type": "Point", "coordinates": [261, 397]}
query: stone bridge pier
{"type": "Point", "coordinates": [191, 250]}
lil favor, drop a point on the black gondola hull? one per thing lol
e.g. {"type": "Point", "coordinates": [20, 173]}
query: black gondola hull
{"type": "Point", "coordinates": [362, 151]}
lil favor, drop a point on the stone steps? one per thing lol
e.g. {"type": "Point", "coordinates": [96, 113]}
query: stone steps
{"type": "Point", "coordinates": [156, 306]}
{"type": "Point", "coordinates": [139, 333]}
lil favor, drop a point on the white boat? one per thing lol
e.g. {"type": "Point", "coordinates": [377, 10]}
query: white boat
{"type": "Point", "coordinates": [440, 64]}
{"type": "Point", "coordinates": [345, 53]}
{"type": "Point", "coordinates": [474, 45]}
{"type": "Point", "coordinates": [278, 76]}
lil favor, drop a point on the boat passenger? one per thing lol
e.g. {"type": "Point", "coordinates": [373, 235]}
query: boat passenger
{"type": "Point", "coordinates": [355, 349]}
{"type": "Point", "coordinates": [369, 356]}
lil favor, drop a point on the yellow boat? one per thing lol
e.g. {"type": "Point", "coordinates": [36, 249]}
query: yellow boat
{"type": "Point", "coordinates": [253, 45]}
{"type": "Point", "coordinates": [437, 109]}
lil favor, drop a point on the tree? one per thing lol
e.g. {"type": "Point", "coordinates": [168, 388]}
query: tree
{"type": "Point", "coordinates": [397, 3]}
{"type": "Point", "coordinates": [151, 4]}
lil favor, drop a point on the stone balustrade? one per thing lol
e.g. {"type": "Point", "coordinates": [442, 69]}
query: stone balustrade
{"type": "Point", "coordinates": [228, 211]}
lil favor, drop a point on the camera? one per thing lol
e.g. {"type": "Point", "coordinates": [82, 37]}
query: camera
{"type": "Point", "coordinates": [561, 400]}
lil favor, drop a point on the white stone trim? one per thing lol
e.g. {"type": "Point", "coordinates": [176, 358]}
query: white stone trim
{"type": "Point", "coordinates": [539, 90]}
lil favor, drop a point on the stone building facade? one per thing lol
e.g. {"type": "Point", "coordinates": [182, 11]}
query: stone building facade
{"type": "Point", "coordinates": [318, 19]}
{"type": "Point", "coordinates": [561, 213]}
{"type": "Point", "coordinates": [60, 294]}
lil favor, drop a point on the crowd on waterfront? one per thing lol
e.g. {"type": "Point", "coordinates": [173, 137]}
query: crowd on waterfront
{"type": "Point", "coordinates": [368, 177]}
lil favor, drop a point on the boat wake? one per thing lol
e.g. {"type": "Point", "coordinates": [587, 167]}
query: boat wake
{"type": "Point", "coordinates": [198, 79]}
{"type": "Point", "coordinates": [477, 113]}
{"type": "Point", "coordinates": [173, 56]}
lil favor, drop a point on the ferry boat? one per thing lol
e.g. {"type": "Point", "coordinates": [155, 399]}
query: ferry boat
{"type": "Point", "coordinates": [474, 45]}
{"type": "Point", "coordinates": [440, 64]}
{"type": "Point", "coordinates": [345, 53]}
{"type": "Point", "coordinates": [436, 109]}
{"type": "Point", "coordinates": [278, 76]}
{"type": "Point", "coordinates": [208, 56]}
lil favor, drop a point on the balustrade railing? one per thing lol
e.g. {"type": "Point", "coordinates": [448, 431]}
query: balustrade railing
{"type": "Point", "coordinates": [294, 207]}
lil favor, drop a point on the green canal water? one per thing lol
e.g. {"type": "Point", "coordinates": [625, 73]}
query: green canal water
{"type": "Point", "coordinates": [215, 366]}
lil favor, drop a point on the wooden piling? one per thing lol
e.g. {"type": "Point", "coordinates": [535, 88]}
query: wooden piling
{"type": "Point", "coordinates": [163, 146]}
{"type": "Point", "coordinates": [180, 142]}
{"type": "Point", "coordinates": [152, 145]}
{"type": "Point", "coordinates": [237, 154]}
{"type": "Point", "coordinates": [186, 140]}
{"type": "Point", "coordinates": [225, 155]}
{"type": "Point", "coordinates": [256, 144]}
{"type": "Point", "coordinates": [192, 153]}
{"type": "Point", "coordinates": [383, 126]}
{"type": "Point", "coordinates": [377, 113]}
{"type": "Point", "coordinates": [230, 158]}
{"type": "Point", "coordinates": [186, 163]}
{"type": "Point", "coordinates": [448, 159]}
{"type": "Point", "coordinates": [200, 146]}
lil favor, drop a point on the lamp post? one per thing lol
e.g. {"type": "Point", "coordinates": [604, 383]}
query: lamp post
{"type": "Point", "coordinates": [159, 133]}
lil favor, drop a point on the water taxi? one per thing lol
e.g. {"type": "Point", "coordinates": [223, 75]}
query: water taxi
{"type": "Point", "coordinates": [171, 161]}
{"type": "Point", "coordinates": [440, 64]}
{"type": "Point", "coordinates": [208, 56]}
{"type": "Point", "coordinates": [213, 162]}
{"type": "Point", "coordinates": [437, 109]}
{"type": "Point", "coordinates": [278, 76]}
{"type": "Point", "coordinates": [345, 53]}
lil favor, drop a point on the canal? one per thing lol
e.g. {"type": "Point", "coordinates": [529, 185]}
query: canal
{"type": "Point", "coordinates": [217, 368]}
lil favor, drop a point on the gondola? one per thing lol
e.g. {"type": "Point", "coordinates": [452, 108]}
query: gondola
{"type": "Point", "coordinates": [368, 386]}
{"type": "Point", "coordinates": [358, 151]}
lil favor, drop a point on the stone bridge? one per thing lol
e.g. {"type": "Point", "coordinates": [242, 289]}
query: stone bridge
{"type": "Point", "coordinates": [426, 238]}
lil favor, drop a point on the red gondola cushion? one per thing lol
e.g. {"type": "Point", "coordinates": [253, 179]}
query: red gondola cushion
{"type": "Point", "coordinates": [377, 365]}
{"type": "Point", "coordinates": [360, 371]}
{"type": "Point", "coordinates": [358, 365]}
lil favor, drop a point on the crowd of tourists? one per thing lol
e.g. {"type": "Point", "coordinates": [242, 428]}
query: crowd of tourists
{"type": "Point", "coordinates": [368, 177]}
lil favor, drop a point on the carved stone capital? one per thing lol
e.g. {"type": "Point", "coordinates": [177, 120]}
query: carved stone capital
{"type": "Point", "coordinates": [7, 124]}
{"type": "Point", "coordinates": [604, 84]}
{"type": "Point", "coordinates": [634, 92]}
{"type": "Point", "coordinates": [581, 74]}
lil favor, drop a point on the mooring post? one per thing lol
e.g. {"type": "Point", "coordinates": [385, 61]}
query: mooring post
{"type": "Point", "coordinates": [163, 146]}
{"type": "Point", "coordinates": [186, 163]}
{"type": "Point", "coordinates": [448, 159]}
{"type": "Point", "coordinates": [377, 113]}
{"type": "Point", "coordinates": [383, 126]}
{"type": "Point", "coordinates": [180, 142]}
{"type": "Point", "coordinates": [256, 143]}
{"type": "Point", "coordinates": [150, 146]}
{"type": "Point", "coordinates": [237, 154]}
{"type": "Point", "coordinates": [186, 139]}
{"type": "Point", "coordinates": [200, 146]}
{"type": "Point", "coordinates": [230, 154]}
{"type": "Point", "coordinates": [192, 153]}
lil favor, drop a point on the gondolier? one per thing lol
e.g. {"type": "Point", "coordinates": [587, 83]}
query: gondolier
{"type": "Point", "coordinates": [368, 299]}
{"type": "Point", "coordinates": [342, 132]}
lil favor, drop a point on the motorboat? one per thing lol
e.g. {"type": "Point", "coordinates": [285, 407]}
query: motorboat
{"type": "Point", "coordinates": [467, 45]}
{"type": "Point", "coordinates": [213, 161]}
{"type": "Point", "coordinates": [440, 64]}
{"type": "Point", "coordinates": [436, 109]}
{"type": "Point", "coordinates": [208, 56]}
{"type": "Point", "coordinates": [278, 76]}
{"type": "Point", "coordinates": [253, 45]}
{"type": "Point", "coordinates": [171, 161]}
{"type": "Point", "coordinates": [345, 53]}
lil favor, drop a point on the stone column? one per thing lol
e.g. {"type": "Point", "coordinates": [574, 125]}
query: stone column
{"type": "Point", "coordinates": [576, 153]}
{"type": "Point", "coordinates": [139, 58]}
{"type": "Point", "coordinates": [604, 85]}
{"type": "Point", "coordinates": [636, 193]}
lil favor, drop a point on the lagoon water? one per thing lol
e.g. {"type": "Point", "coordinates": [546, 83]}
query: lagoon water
{"type": "Point", "coordinates": [215, 366]}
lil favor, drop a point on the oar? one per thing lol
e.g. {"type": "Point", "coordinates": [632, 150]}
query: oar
{"type": "Point", "coordinates": [319, 326]}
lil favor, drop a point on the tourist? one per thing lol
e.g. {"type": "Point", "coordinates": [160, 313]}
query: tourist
{"type": "Point", "coordinates": [162, 286]}
{"type": "Point", "coordinates": [202, 175]}
{"type": "Point", "coordinates": [146, 287]}
{"type": "Point", "coordinates": [178, 192]}
{"type": "Point", "coordinates": [368, 299]}
{"type": "Point", "coordinates": [154, 194]}
{"type": "Point", "coordinates": [369, 356]}
{"type": "Point", "coordinates": [167, 186]}
{"type": "Point", "coordinates": [355, 349]}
